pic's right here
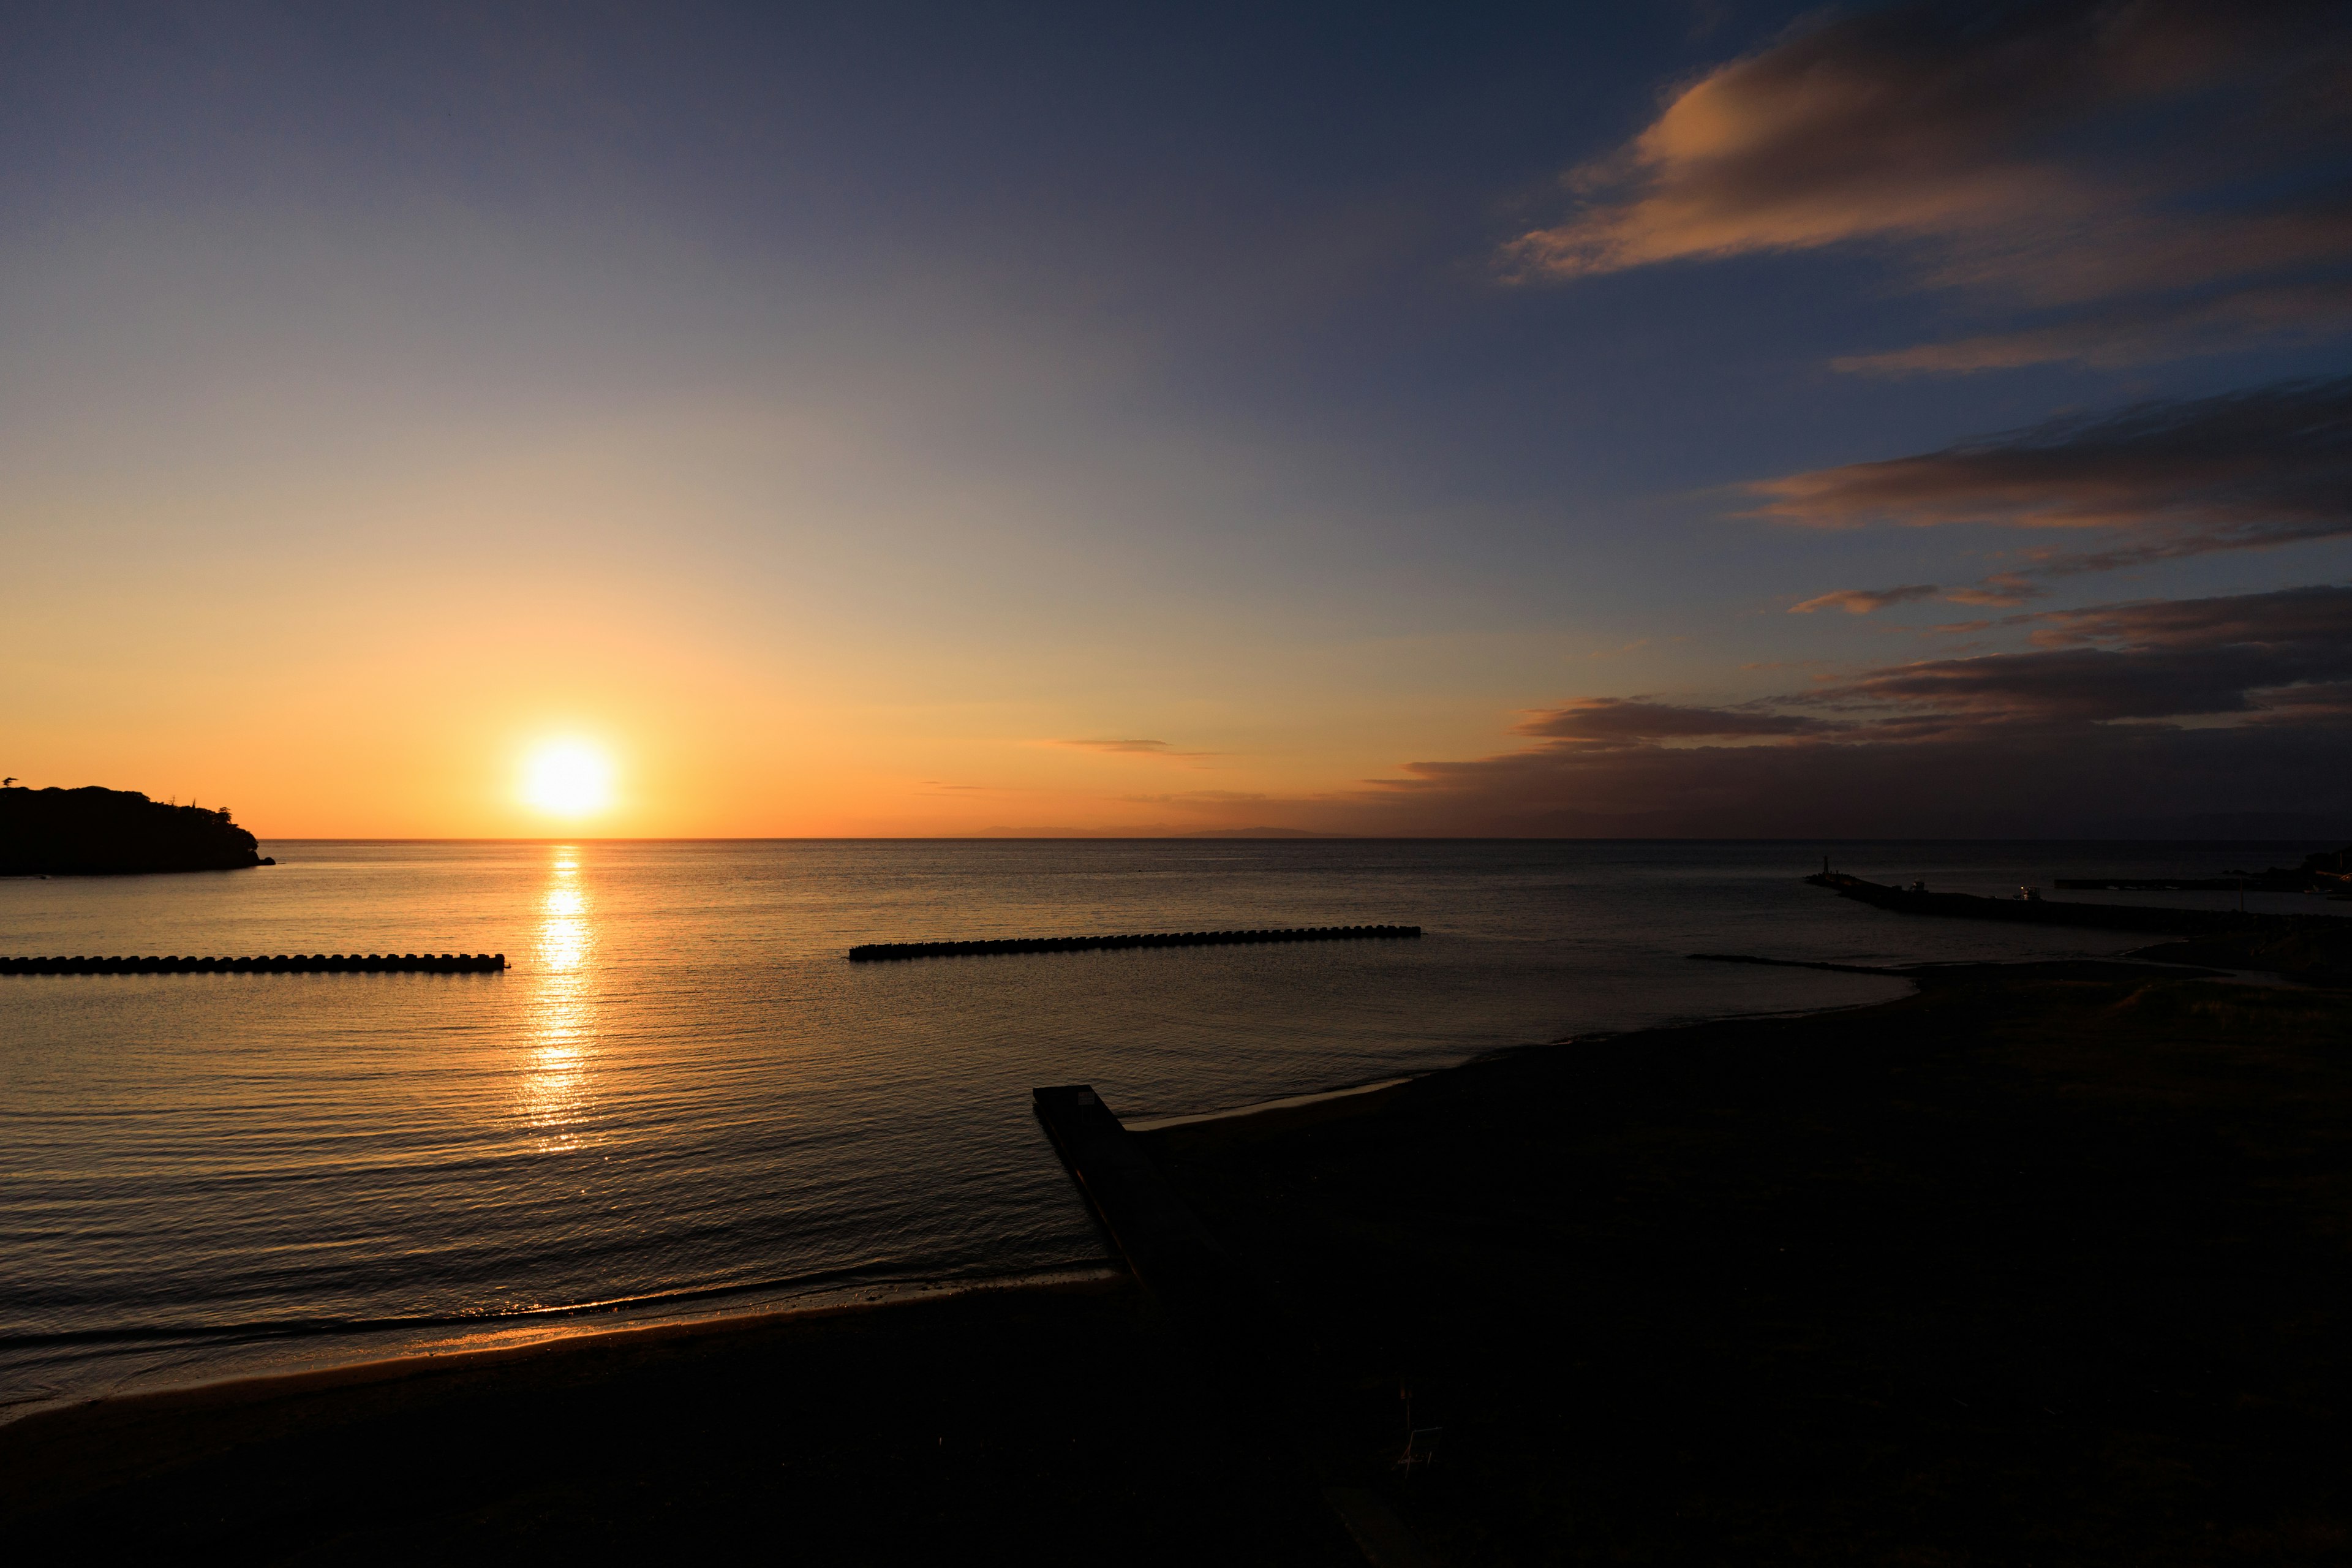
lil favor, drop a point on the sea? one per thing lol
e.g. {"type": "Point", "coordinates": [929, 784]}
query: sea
{"type": "Point", "coordinates": [682, 1100]}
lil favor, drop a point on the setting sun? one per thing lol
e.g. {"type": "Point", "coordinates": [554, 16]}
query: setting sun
{"type": "Point", "coordinates": [568, 778]}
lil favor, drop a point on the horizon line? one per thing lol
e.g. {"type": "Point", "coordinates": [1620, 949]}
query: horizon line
{"type": "Point", "coordinates": [1282, 838]}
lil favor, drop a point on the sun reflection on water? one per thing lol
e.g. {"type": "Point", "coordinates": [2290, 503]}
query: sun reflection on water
{"type": "Point", "coordinates": [555, 1095]}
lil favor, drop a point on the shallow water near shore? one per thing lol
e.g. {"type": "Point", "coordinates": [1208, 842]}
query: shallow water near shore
{"type": "Point", "coordinates": [682, 1098]}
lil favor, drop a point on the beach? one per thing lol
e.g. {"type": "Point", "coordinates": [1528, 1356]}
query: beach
{"type": "Point", "coordinates": [2044, 1262]}
{"type": "Point", "coordinates": [1045, 1423]}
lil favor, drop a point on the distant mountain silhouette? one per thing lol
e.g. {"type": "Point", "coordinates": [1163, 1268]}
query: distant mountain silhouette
{"type": "Point", "coordinates": [97, 832]}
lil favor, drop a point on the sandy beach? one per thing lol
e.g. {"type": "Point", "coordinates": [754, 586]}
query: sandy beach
{"type": "Point", "coordinates": [1050, 1423]}
{"type": "Point", "coordinates": [2044, 1263]}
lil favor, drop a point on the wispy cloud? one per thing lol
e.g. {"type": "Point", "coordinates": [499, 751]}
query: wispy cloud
{"type": "Point", "coordinates": [2316, 618]}
{"type": "Point", "coordinates": [1200, 797]}
{"type": "Point", "coordinates": [1863, 601]}
{"type": "Point", "coordinates": [2252, 470]}
{"type": "Point", "coordinates": [1118, 746]}
{"type": "Point", "coordinates": [2228, 322]}
{"type": "Point", "coordinates": [2161, 659]}
{"type": "Point", "coordinates": [1999, 590]}
{"type": "Point", "coordinates": [1631, 721]}
{"type": "Point", "coordinates": [2089, 154]}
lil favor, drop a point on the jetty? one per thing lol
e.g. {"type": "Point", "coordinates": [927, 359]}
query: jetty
{"type": "Point", "coordinates": [2314, 949]}
{"type": "Point", "coordinates": [2044, 911]}
{"type": "Point", "coordinates": [868, 953]}
{"type": "Point", "coordinates": [278, 964]}
{"type": "Point", "coordinates": [2329, 873]}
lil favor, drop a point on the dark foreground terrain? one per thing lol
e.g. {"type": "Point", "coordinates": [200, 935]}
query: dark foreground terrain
{"type": "Point", "coordinates": [2042, 1265]}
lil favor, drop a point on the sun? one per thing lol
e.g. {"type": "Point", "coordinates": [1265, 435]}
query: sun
{"type": "Point", "coordinates": [568, 778]}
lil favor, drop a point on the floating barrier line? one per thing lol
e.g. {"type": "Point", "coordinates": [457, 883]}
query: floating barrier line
{"type": "Point", "coordinates": [870, 952]}
{"type": "Point", "coordinates": [281, 963]}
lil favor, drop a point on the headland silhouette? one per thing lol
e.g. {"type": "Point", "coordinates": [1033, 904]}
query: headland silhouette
{"type": "Point", "coordinates": [94, 832]}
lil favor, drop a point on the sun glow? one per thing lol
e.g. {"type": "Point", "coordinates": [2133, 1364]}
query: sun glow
{"type": "Point", "coordinates": [568, 778]}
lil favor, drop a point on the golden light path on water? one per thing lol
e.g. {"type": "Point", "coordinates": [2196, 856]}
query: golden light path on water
{"type": "Point", "coordinates": [556, 1090]}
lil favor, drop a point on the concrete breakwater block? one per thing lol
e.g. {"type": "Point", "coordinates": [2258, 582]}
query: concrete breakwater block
{"type": "Point", "coordinates": [281, 963]}
{"type": "Point", "coordinates": [872, 951]}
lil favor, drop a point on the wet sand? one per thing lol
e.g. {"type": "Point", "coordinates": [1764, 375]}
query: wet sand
{"type": "Point", "coordinates": [2050, 1263]}
{"type": "Point", "coordinates": [1048, 1423]}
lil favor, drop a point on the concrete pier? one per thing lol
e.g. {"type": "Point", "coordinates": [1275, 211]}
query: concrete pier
{"type": "Point", "coordinates": [1244, 1351]}
{"type": "Point", "coordinates": [2055, 911]}
{"type": "Point", "coordinates": [1174, 1258]}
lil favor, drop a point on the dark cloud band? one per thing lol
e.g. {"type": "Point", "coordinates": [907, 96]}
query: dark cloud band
{"type": "Point", "coordinates": [2267, 467]}
{"type": "Point", "coordinates": [2118, 714]}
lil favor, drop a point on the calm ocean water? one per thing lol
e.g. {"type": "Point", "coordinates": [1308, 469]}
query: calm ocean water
{"type": "Point", "coordinates": [683, 1099]}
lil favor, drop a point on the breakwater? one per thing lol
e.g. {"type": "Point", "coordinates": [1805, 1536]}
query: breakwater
{"type": "Point", "coordinates": [871, 952]}
{"type": "Point", "coordinates": [2048, 912]}
{"type": "Point", "coordinates": [279, 964]}
{"type": "Point", "coordinates": [2314, 948]}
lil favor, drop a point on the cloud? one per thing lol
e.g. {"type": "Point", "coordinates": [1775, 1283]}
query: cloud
{"type": "Point", "coordinates": [1863, 601]}
{"type": "Point", "coordinates": [2267, 467]}
{"type": "Point", "coordinates": [1625, 720]}
{"type": "Point", "coordinates": [2329, 700]}
{"type": "Point", "coordinates": [1200, 797]}
{"type": "Point", "coordinates": [2010, 781]}
{"type": "Point", "coordinates": [2317, 617]}
{"type": "Point", "coordinates": [2001, 589]}
{"type": "Point", "coordinates": [2226, 324]}
{"type": "Point", "coordinates": [2122, 717]}
{"type": "Point", "coordinates": [2163, 659]}
{"type": "Point", "coordinates": [2087, 684]}
{"type": "Point", "coordinates": [1135, 748]}
{"type": "Point", "coordinates": [2079, 153]}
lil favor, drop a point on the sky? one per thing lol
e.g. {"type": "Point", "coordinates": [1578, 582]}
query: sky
{"type": "Point", "coordinates": [1703, 419]}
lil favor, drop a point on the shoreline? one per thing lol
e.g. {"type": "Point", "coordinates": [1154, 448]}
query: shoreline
{"type": "Point", "coordinates": [555, 1329]}
{"type": "Point", "coordinates": [554, 1324]}
{"type": "Point", "coordinates": [1911, 1272]}
{"type": "Point", "coordinates": [1273, 1107]}
{"type": "Point", "coordinates": [552, 1329]}
{"type": "Point", "coordinates": [462, 1360]}
{"type": "Point", "coordinates": [900, 1430]}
